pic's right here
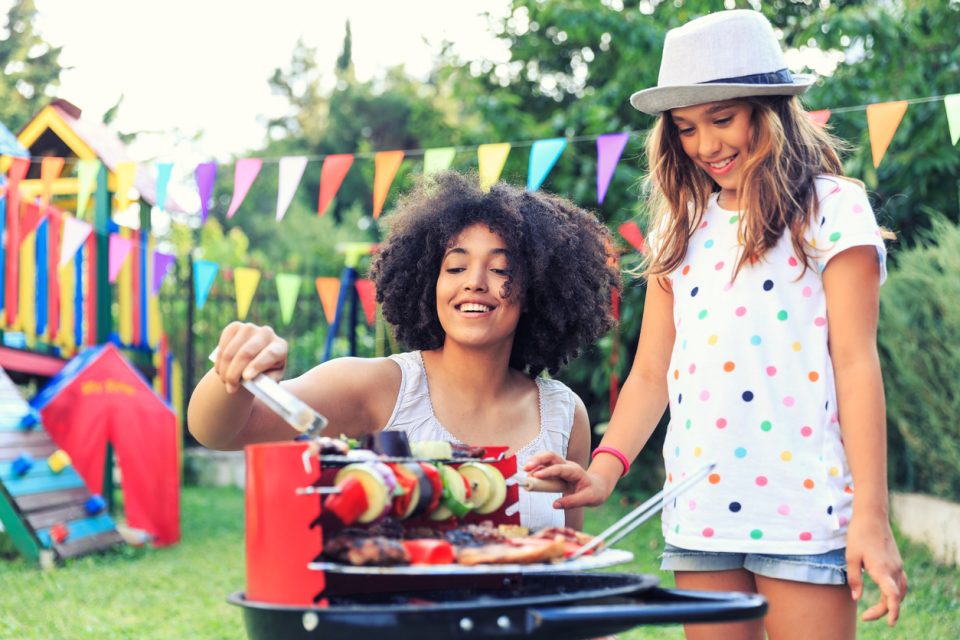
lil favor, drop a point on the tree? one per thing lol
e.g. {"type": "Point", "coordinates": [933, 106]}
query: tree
{"type": "Point", "coordinates": [31, 67]}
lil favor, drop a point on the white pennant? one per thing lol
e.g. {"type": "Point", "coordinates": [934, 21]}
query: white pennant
{"type": "Point", "coordinates": [75, 233]}
{"type": "Point", "coordinates": [291, 171]}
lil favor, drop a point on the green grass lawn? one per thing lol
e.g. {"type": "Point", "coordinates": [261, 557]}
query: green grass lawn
{"type": "Point", "coordinates": [180, 592]}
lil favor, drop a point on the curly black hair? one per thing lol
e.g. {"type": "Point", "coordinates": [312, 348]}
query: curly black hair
{"type": "Point", "coordinates": [561, 264]}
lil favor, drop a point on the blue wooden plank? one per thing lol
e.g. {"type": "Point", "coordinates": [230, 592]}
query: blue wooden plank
{"type": "Point", "coordinates": [29, 486]}
{"type": "Point", "coordinates": [40, 469]}
{"type": "Point", "coordinates": [81, 528]}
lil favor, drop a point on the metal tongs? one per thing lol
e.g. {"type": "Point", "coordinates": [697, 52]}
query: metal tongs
{"type": "Point", "coordinates": [292, 409]}
{"type": "Point", "coordinates": [615, 532]}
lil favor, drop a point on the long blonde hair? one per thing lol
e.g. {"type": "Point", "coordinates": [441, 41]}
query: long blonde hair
{"type": "Point", "coordinates": [776, 190]}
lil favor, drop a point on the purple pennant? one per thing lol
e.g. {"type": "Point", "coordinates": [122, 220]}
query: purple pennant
{"type": "Point", "coordinates": [206, 175]}
{"type": "Point", "coordinates": [609, 149]}
{"type": "Point", "coordinates": [161, 267]}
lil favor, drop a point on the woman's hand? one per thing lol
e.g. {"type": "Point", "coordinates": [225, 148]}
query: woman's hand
{"type": "Point", "coordinates": [871, 546]}
{"type": "Point", "coordinates": [244, 350]}
{"type": "Point", "coordinates": [590, 489]}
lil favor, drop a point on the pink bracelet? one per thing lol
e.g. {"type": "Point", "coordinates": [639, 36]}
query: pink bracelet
{"type": "Point", "coordinates": [616, 454]}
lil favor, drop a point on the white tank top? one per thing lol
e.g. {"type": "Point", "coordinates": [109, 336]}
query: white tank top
{"type": "Point", "coordinates": [413, 414]}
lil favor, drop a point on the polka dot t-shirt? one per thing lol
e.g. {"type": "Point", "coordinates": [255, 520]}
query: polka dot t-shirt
{"type": "Point", "coordinates": [751, 387]}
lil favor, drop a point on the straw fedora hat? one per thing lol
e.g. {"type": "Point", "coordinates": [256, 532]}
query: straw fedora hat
{"type": "Point", "coordinates": [723, 55]}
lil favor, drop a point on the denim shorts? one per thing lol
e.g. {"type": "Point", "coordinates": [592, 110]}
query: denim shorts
{"type": "Point", "coordinates": [822, 568]}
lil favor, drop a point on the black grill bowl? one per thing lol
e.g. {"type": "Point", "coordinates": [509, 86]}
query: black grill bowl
{"type": "Point", "coordinates": [557, 606]}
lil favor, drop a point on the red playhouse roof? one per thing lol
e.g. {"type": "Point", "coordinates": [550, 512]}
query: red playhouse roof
{"type": "Point", "coordinates": [98, 398]}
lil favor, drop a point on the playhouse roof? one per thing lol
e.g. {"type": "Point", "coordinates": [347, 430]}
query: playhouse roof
{"type": "Point", "coordinates": [89, 139]}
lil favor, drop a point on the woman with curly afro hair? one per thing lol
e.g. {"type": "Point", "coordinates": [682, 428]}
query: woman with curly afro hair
{"type": "Point", "coordinates": [487, 290]}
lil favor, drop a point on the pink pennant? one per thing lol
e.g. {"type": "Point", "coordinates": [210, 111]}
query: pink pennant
{"type": "Point", "coordinates": [632, 234]}
{"type": "Point", "coordinates": [332, 173]}
{"type": "Point", "coordinates": [244, 173]}
{"type": "Point", "coordinates": [820, 117]}
{"type": "Point", "coordinates": [120, 247]}
{"type": "Point", "coordinates": [609, 149]}
{"type": "Point", "coordinates": [161, 267]}
{"type": "Point", "coordinates": [367, 293]}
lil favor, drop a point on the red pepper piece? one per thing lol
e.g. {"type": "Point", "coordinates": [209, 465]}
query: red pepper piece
{"type": "Point", "coordinates": [429, 551]}
{"type": "Point", "coordinates": [350, 503]}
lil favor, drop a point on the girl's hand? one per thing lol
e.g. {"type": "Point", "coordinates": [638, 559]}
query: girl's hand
{"type": "Point", "coordinates": [244, 350]}
{"type": "Point", "coordinates": [590, 489]}
{"type": "Point", "coordinates": [871, 546]}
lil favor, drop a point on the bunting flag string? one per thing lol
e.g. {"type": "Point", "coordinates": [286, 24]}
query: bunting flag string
{"type": "Point", "coordinates": [204, 275]}
{"type": "Point", "coordinates": [119, 250]}
{"type": "Point", "coordinates": [125, 173]}
{"type": "Point", "coordinates": [245, 279]}
{"type": "Point", "coordinates": [161, 268]}
{"type": "Point", "coordinates": [206, 175]}
{"type": "Point", "coordinates": [387, 164]}
{"type": "Point", "coordinates": [491, 158]}
{"type": "Point", "coordinates": [367, 293]}
{"type": "Point", "coordinates": [882, 122]}
{"type": "Point", "coordinates": [75, 233]}
{"type": "Point", "coordinates": [164, 170]}
{"type": "Point", "coordinates": [328, 288]}
{"type": "Point", "coordinates": [244, 173]}
{"type": "Point", "coordinates": [436, 160]}
{"type": "Point", "coordinates": [86, 177]}
{"type": "Point", "coordinates": [610, 147]}
{"type": "Point", "coordinates": [288, 290]}
{"type": "Point", "coordinates": [543, 156]}
{"type": "Point", "coordinates": [952, 104]}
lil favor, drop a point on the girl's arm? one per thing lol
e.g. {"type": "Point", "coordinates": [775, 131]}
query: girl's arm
{"type": "Point", "coordinates": [851, 283]}
{"type": "Point", "coordinates": [640, 406]}
{"type": "Point", "coordinates": [356, 395]}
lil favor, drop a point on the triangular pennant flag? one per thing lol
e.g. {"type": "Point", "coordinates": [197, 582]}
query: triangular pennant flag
{"type": "Point", "coordinates": [75, 233]}
{"type": "Point", "coordinates": [119, 250]}
{"type": "Point", "coordinates": [819, 117]}
{"type": "Point", "coordinates": [125, 173]}
{"type": "Point", "coordinates": [632, 234]}
{"type": "Point", "coordinates": [882, 121]}
{"type": "Point", "coordinates": [244, 173]}
{"type": "Point", "coordinates": [18, 169]}
{"type": "Point", "coordinates": [609, 149]}
{"type": "Point", "coordinates": [387, 164]}
{"type": "Point", "coordinates": [206, 175]}
{"type": "Point", "coordinates": [543, 155]}
{"type": "Point", "coordinates": [367, 293]}
{"type": "Point", "coordinates": [436, 160]}
{"type": "Point", "coordinates": [288, 290]}
{"type": "Point", "coordinates": [291, 172]}
{"type": "Point", "coordinates": [491, 158]}
{"type": "Point", "coordinates": [952, 104]}
{"type": "Point", "coordinates": [164, 169]}
{"type": "Point", "coordinates": [204, 274]}
{"type": "Point", "coordinates": [245, 279]}
{"type": "Point", "coordinates": [50, 168]}
{"type": "Point", "coordinates": [332, 173]}
{"type": "Point", "coordinates": [29, 221]}
{"type": "Point", "coordinates": [86, 179]}
{"type": "Point", "coordinates": [161, 268]}
{"type": "Point", "coordinates": [328, 289]}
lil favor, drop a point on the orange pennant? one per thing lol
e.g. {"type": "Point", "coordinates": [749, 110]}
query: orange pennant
{"type": "Point", "coordinates": [882, 121]}
{"type": "Point", "coordinates": [819, 117]}
{"type": "Point", "coordinates": [332, 173]}
{"type": "Point", "coordinates": [329, 290]}
{"type": "Point", "coordinates": [367, 293]}
{"type": "Point", "coordinates": [387, 165]}
{"type": "Point", "coordinates": [50, 168]}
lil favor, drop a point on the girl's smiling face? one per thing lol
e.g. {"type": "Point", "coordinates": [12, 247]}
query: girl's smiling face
{"type": "Point", "coordinates": [471, 288]}
{"type": "Point", "coordinates": [717, 136]}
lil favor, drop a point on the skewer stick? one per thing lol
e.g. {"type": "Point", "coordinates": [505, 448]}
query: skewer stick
{"type": "Point", "coordinates": [312, 491]}
{"type": "Point", "coordinates": [641, 514]}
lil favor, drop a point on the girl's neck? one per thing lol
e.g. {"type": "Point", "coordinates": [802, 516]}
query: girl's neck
{"type": "Point", "coordinates": [727, 200]}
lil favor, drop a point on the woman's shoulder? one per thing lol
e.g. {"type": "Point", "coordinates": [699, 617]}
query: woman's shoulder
{"type": "Point", "coordinates": [831, 186]}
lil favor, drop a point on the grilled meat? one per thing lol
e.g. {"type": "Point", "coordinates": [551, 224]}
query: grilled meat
{"type": "Point", "coordinates": [513, 551]}
{"type": "Point", "coordinates": [375, 551]}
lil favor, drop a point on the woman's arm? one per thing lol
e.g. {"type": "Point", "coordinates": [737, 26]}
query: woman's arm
{"type": "Point", "coordinates": [851, 283]}
{"type": "Point", "coordinates": [356, 395]}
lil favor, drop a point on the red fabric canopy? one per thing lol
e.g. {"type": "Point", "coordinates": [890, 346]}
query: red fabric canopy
{"type": "Point", "coordinates": [98, 398]}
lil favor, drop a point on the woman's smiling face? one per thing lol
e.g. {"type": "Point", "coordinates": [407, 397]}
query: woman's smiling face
{"type": "Point", "coordinates": [471, 289]}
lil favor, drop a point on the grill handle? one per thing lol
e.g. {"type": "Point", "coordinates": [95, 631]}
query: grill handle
{"type": "Point", "coordinates": [653, 606]}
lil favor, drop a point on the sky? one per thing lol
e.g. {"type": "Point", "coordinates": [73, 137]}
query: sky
{"type": "Point", "coordinates": [188, 66]}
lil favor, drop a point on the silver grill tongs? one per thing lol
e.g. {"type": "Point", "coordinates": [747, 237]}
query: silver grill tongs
{"type": "Point", "coordinates": [292, 409]}
{"type": "Point", "coordinates": [615, 532]}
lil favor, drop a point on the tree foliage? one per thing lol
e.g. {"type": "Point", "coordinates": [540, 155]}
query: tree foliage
{"type": "Point", "coordinates": [31, 67]}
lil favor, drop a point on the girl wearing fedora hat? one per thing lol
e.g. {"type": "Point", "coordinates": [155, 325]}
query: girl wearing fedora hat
{"type": "Point", "coordinates": [759, 332]}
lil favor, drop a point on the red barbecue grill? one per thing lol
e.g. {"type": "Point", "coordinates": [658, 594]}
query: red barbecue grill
{"type": "Point", "coordinates": [292, 592]}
